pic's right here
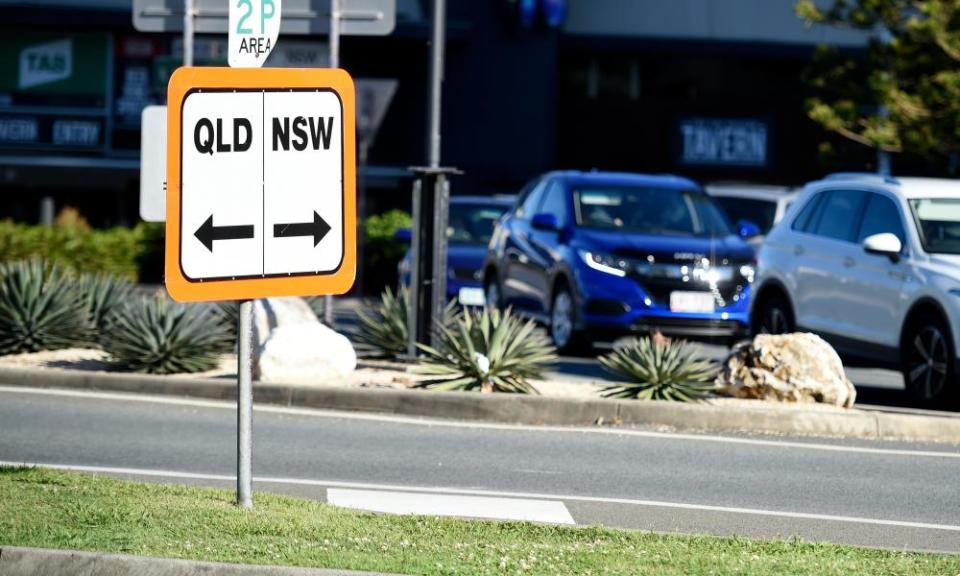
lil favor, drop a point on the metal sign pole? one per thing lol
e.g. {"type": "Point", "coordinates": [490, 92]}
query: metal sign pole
{"type": "Point", "coordinates": [188, 32]}
{"type": "Point", "coordinates": [334, 63]}
{"type": "Point", "coordinates": [245, 406]}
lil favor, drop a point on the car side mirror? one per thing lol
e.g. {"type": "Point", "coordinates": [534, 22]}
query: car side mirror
{"type": "Point", "coordinates": [403, 235]}
{"type": "Point", "coordinates": [747, 229]}
{"type": "Point", "coordinates": [884, 244]}
{"type": "Point", "coordinates": [544, 221]}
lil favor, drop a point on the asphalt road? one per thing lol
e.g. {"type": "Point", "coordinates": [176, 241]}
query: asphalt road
{"type": "Point", "coordinates": [866, 493]}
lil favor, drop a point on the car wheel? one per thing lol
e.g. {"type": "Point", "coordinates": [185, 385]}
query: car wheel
{"type": "Point", "coordinates": [927, 361]}
{"type": "Point", "coordinates": [772, 316]}
{"type": "Point", "coordinates": [563, 333]}
{"type": "Point", "coordinates": [492, 295]}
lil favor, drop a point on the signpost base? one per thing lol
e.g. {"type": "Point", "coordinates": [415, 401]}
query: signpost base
{"type": "Point", "coordinates": [245, 406]}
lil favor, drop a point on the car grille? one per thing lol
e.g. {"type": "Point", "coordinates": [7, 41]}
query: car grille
{"type": "Point", "coordinates": [659, 280]}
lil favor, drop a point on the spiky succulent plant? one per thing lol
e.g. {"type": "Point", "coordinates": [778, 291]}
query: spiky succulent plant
{"type": "Point", "coordinates": [488, 350]}
{"type": "Point", "coordinates": [40, 309]}
{"type": "Point", "coordinates": [385, 328]}
{"type": "Point", "coordinates": [103, 295]}
{"type": "Point", "coordinates": [658, 369]}
{"type": "Point", "coordinates": [156, 336]}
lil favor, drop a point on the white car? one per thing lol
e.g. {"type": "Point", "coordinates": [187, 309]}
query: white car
{"type": "Point", "coordinates": [760, 204]}
{"type": "Point", "coordinates": [871, 264]}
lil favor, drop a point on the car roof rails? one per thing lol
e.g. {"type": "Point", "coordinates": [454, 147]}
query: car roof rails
{"type": "Point", "coordinates": [862, 176]}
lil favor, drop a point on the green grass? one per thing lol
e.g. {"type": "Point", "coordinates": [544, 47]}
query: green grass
{"type": "Point", "coordinates": [52, 509]}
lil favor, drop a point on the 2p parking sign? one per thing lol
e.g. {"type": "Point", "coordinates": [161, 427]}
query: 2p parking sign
{"type": "Point", "coordinates": [253, 28]}
{"type": "Point", "coordinates": [261, 197]}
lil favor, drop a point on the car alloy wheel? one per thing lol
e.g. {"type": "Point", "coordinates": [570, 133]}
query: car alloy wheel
{"type": "Point", "coordinates": [772, 316]}
{"type": "Point", "coordinates": [927, 365]}
{"type": "Point", "coordinates": [774, 322]}
{"type": "Point", "coordinates": [492, 295]}
{"type": "Point", "coordinates": [561, 319]}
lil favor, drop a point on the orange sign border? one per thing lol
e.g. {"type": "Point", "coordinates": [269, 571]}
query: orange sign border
{"type": "Point", "coordinates": [340, 281]}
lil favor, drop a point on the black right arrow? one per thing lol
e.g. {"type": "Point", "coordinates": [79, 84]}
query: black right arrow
{"type": "Point", "coordinates": [318, 229]}
{"type": "Point", "coordinates": [207, 233]}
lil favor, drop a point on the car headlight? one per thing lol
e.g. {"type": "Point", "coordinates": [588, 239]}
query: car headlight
{"type": "Point", "coordinates": [747, 272]}
{"type": "Point", "coordinates": [605, 263]}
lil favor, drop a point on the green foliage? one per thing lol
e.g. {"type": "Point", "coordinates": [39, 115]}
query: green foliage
{"type": "Point", "coordinates": [103, 294]}
{"type": "Point", "coordinates": [381, 250]}
{"type": "Point", "coordinates": [161, 337]}
{"type": "Point", "coordinates": [659, 370]}
{"type": "Point", "coordinates": [488, 350]}
{"type": "Point", "coordinates": [904, 94]}
{"type": "Point", "coordinates": [386, 328]}
{"type": "Point", "coordinates": [40, 309]}
{"type": "Point", "coordinates": [117, 251]}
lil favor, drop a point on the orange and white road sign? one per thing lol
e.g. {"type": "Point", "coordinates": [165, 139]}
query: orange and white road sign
{"type": "Point", "coordinates": [261, 183]}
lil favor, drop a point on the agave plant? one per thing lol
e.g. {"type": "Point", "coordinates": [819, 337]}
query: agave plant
{"type": "Point", "coordinates": [103, 295]}
{"type": "Point", "coordinates": [160, 337]}
{"type": "Point", "coordinates": [386, 328]}
{"type": "Point", "coordinates": [40, 309]}
{"type": "Point", "coordinates": [228, 316]}
{"type": "Point", "coordinates": [488, 350]}
{"type": "Point", "coordinates": [659, 369]}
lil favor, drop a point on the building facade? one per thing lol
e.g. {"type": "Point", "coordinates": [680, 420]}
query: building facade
{"type": "Point", "coordinates": [707, 88]}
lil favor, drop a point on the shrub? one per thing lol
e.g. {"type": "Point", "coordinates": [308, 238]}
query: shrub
{"type": "Point", "coordinates": [488, 350]}
{"type": "Point", "coordinates": [382, 252]}
{"type": "Point", "coordinates": [103, 295]}
{"type": "Point", "coordinates": [156, 336]}
{"type": "Point", "coordinates": [40, 309]}
{"type": "Point", "coordinates": [386, 328]}
{"type": "Point", "coordinates": [118, 251]}
{"type": "Point", "coordinates": [659, 369]}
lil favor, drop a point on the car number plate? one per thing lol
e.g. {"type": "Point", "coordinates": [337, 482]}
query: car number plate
{"type": "Point", "coordinates": [471, 297]}
{"type": "Point", "coordinates": [691, 302]}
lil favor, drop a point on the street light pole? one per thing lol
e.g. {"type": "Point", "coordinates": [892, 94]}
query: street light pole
{"type": "Point", "coordinates": [334, 63]}
{"type": "Point", "coordinates": [431, 198]}
{"type": "Point", "coordinates": [188, 32]}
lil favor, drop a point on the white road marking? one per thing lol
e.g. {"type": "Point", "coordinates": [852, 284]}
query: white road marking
{"type": "Point", "coordinates": [494, 508]}
{"type": "Point", "coordinates": [493, 493]}
{"type": "Point", "coordinates": [438, 423]}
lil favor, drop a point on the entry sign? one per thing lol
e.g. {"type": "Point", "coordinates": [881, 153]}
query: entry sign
{"type": "Point", "coordinates": [252, 30]}
{"type": "Point", "coordinates": [261, 197]}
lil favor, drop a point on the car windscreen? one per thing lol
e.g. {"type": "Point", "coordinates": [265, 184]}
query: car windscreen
{"type": "Point", "coordinates": [650, 210]}
{"type": "Point", "coordinates": [473, 223]}
{"type": "Point", "coordinates": [938, 221]}
{"type": "Point", "coordinates": [760, 212]}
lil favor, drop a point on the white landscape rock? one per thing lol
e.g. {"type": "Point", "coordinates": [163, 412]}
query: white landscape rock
{"type": "Point", "coordinates": [797, 367]}
{"type": "Point", "coordinates": [292, 346]}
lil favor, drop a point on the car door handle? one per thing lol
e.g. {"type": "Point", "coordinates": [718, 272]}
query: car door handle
{"type": "Point", "coordinates": [798, 250]}
{"type": "Point", "coordinates": [897, 275]}
{"type": "Point", "coordinates": [848, 262]}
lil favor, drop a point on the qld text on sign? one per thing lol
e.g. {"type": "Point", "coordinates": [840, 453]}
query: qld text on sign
{"type": "Point", "coordinates": [261, 172]}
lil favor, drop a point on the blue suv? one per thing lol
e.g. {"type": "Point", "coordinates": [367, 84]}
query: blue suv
{"type": "Point", "coordinates": [598, 255]}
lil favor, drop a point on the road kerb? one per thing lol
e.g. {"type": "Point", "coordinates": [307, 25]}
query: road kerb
{"type": "Point", "coordinates": [16, 561]}
{"type": "Point", "coordinates": [762, 418]}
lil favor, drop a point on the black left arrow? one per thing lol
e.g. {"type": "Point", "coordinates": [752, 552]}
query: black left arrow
{"type": "Point", "coordinates": [207, 233]}
{"type": "Point", "coordinates": [318, 229]}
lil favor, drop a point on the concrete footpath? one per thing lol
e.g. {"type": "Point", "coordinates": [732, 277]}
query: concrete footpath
{"type": "Point", "coordinates": [16, 561]}
{"type": "Point", "coordinates": [743, 416]}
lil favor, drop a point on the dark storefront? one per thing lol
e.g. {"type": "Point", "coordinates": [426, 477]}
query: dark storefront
{"type": "Point", "coordinates": [518, 100]}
